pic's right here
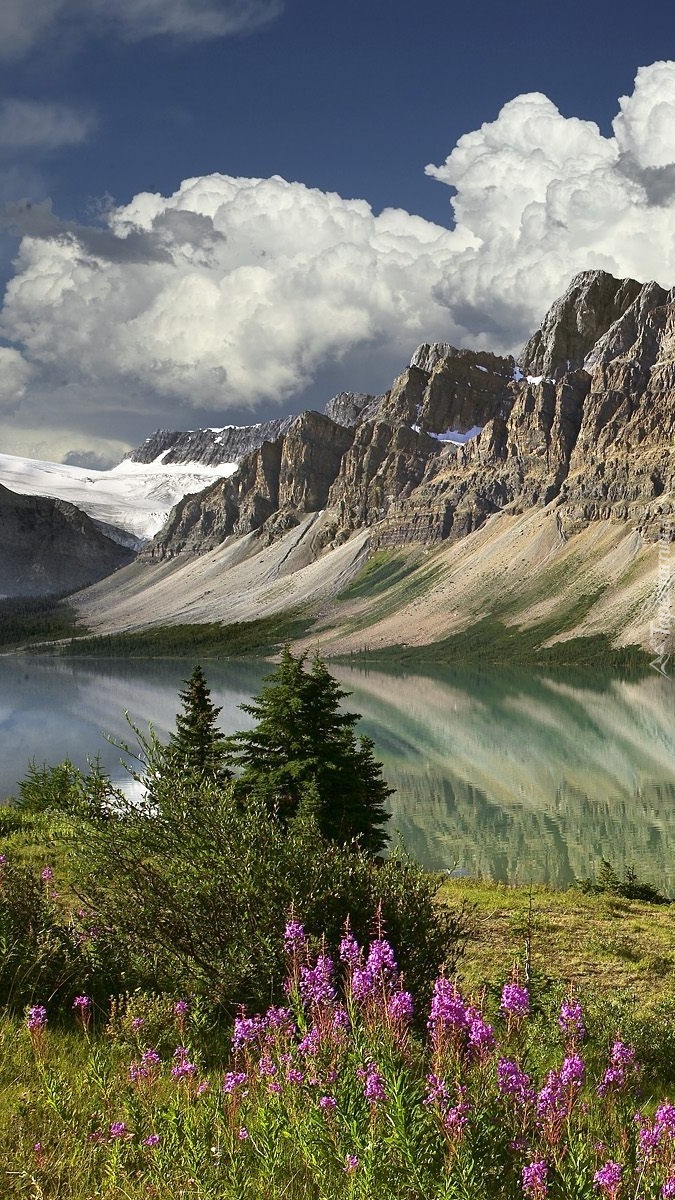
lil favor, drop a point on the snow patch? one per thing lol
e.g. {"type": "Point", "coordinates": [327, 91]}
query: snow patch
{"type": "Point", "coordinates": [135, 497]}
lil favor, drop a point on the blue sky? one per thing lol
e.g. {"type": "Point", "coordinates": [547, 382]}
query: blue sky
{"type": "Point", "coordinates": [233, 302]}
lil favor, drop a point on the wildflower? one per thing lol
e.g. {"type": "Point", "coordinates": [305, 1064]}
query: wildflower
{"type": "Point", "coordinates": [668, 1189]}
{"type": "Point", "coordinates": [363, 983]}
{"type": "Point", "coordinates": [400, 1008]}
{"type": "Point", "coordinates": [608, 1179]}
{"type": "Point", "coordinates": [243, 1133]}
{"type": "Point", "coordinates": [455, 1119]}
{"type": "Point", "coordinates": [373, 1088]}
{"type": "Point", "coordinates": [294, 937]}
{"type": "Point", "coordinates": [327, 1103]}
{"type": "Point", "coordinates": [266, 1066]}
{"type": "Point", "coordinates": [350, 952]}
{"type": "Point", "coordinates": [512, 1081]}
{"type": "Point", "coordinates": [315, 983]}
{"type": "Point", "coordinates": [381, 961]}
{"type": "Point", "coordinates": [295, 1076]}
{"type": "Point", "coordinates": [481, 1035]}
{"type": "Point", "coordinates": [137, 1023]}
{"type": "Point", "coordinates": [203, 1087]}
{"type": "Point", "coordinates": [534, 1180]}
{"type": "Point", "coordinates": [182, 1068]}
{"type": "Point", "coordinates": [621, 1060]}
{"type": "Point", "coordinates": [151, 1140]}
{"type": "Point", "coordinates": [351, 1163]}
{"type": "Point", "coordinates": [572, 1071]}
{"type": "Point", "coordinates": [37, 1018]}
{"type": "Point", "coordinates": [448, 1013]}
{"type": "Point", "coordinates": [571, 1021]}
{"type": "Point", "coordinates": [118, 1129]}
{"type": "Point", "coordinates": [436, 1091]}
{"type": "Point", "coordinates": [515, 1001]}
{"type": "Point", "coordinates": [664, 1118]}
{"type": "Point", "coordinates": [82, 1006]}
{"type": "Point", "coordinates": [274, 1088]}
{"type": "Point", "coordinates": [150, 1058]}
{"type": "Point", "coordinates": [233, 1080]}
{"type": "Point", "coordinates": [180, 1010]}
{"type": "Point", "coordinates": [47, 875]}
{"type": "Point", "coordinates": [246, 1029]}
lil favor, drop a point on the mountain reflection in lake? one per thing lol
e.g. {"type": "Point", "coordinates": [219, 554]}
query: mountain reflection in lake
{"type": "Point", "coordinates": [509, 776]}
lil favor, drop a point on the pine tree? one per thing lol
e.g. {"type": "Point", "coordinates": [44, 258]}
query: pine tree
{"type": "Point", "coordinates": [197, 746]}
{"type": "Point", "coordinates": [303, 753]}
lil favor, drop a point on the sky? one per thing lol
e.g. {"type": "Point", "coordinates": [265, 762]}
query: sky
{"type": "Point", "coordinates": [216, 211]}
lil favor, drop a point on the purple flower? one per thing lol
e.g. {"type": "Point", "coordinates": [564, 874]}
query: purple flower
{"type": "Point", "coordinates": [137, 1023]}
{"type": "Point", "coordinates": [47, 875]}
{"type": "Point", "coordinates": [295, 1076]}
{"type": "Point", "coordinates": [448, 1010]}
{"type": "Point", "coordinates": [381, 961]}
{"type": "Point", "coordinates": [350, 952]}
{"type": "Point", "coordinates": [373, 1088]}
{"type": "Point", "coordinates": [150, 1058]}
{"type": "Point", "coordinates": [400, 1008]}
{"type": "Point", "coordinates": [233, 1080]}
{"type": "Point", "coordinates": [363, 983]}
{"type": "Point", "coordinates": [246, 1029]}
{"type": "Point", "coordinates": [455, 1119]}
{"type": "Point", "coordinates": [243, 1134]}
{"type": "Point", "coordinates": [608, 1179]}
{"type": "Point", "coordinates": [351, 1163]}
{"type": "Point", "coordinates": [571, 1021]}
{"type": "Point", "coordinates": [82, 1002]}
{"type": "Point", "coordinates": [203, 1087]}
{"type": "Point", "coordinates": [327, 1103]}
{"type": "Point", "coordinates": [621, 1060]}
{"type": "Point", "coordinates": [182, 1069]}
{"type": "Point", "coordinates": [573, 1071]}
{"type": "Point", "coordinates": [37, 1018]}
{"type": "Point", "coordinates": [151, 1141]}
{"type": "Point", "coordinates": [515, 1000]}
{"type": "Point", "coordinates": [316, 983]}
{"type": "Point", "coordinates": [437, 1092]}
{"type": "Point", "coordinates": [481, 1035]}
{"type": "Point", "coordinates": [294, 937]}
{"type": "Point", "coordinates": [668, 1189]}
{"type": "Point", "coordinates": [534, 1180]}
{"type": "Point", "coordinates": [664, 1118]}
{"type": "Point", "coordinates": [118, 1129]}
{"type": "Point", "coordinates": [512, 1081]}
{"type": "Point", "coordinates": [266, 1066]}
{"type": "Point", "coordinates": [180, 1009]}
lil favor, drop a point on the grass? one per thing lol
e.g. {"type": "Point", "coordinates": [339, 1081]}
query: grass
{"type": "Point", "coordinates": [603, 941]}
{"type": "Point", "coordinates": [214, 640]}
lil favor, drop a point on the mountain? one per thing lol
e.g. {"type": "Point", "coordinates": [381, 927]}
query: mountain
{"type": "Point", "coordinates": [535, 491]}
{"type": "Point", "coordinates": [50, 546]}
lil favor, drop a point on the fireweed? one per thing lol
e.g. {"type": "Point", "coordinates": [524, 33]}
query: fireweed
{"type": "Point", "coordinates": [344, 1090]}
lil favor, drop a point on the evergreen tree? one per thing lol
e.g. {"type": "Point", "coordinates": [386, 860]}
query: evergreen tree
{"type": "Point", "coordinates": [303, 756]}
{"type": "Point", "coordinates": [197, 746]}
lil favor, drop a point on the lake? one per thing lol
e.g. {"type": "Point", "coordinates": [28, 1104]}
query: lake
{"type": "Point", "coordinates": [503, 775]}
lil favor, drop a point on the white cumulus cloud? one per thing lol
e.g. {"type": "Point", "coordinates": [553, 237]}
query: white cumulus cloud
{"type": "Point", "coordinates": [15, 373]}
{"type": "Point", "coordinates": [235, 292]}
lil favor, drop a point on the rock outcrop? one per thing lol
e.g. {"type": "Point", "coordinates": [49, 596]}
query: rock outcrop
{"type": "Point", "coordinates": [210, 447]}
{"type": "Point", "coordinates": [586, 421]}
{"type": "Point", "coordinates": [51, 547]}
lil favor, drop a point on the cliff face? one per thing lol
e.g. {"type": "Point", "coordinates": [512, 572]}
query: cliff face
{"type": "Point", "coordinates": [585, 421]}
{"type": "Point", "coordinates": [51, 547]}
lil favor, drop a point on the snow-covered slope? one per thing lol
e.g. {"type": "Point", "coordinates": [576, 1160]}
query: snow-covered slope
{"type": "Point", "coordinates": [133, 497]}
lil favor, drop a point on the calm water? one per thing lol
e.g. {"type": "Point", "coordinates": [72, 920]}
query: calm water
{"type": "Point", "coordinates": [507, 776]}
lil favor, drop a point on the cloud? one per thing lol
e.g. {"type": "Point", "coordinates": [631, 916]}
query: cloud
{"type": "Point", "coordinates": [39, 125]}
{"type": "Point", "coordinates": [26, 23]}
{"type": "Point", "coordinates": [15, 374]}
{"type": "Point", "coordinates": [242, 292]}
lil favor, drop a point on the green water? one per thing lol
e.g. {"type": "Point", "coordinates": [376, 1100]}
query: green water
{"type": "Point", "coordinates": [508, 776]}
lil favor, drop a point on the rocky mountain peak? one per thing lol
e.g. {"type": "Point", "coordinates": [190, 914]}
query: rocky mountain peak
{"type": "Point", "coordinates": [593, 302]}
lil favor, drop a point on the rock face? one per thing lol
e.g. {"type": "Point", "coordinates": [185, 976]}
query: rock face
{"type": "Point", "coordinates": [586, 422]}
{"type": "Point", "coordinates": [211, 447]}
{"type": "Point", "coordinates": [51, 547]}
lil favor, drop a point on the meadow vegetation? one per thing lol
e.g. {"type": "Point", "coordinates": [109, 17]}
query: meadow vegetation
{"type": "Point", "coordinates": [218, 991]}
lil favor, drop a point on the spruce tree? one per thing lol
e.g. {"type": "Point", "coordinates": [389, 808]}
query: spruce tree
{"type": "Point", "coordinates": [303, 754]}
{"type": "Point", "coordinates": [197, 746]}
